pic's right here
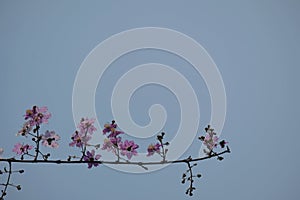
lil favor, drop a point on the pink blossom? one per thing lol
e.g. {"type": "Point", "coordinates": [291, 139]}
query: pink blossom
{"type": "Point", "coordinates": [78, 139]}
{"type": "Point", "coordinates": [128, 148]}
{"type": "Point", "coordinates": [87, 126]}
{"type": "Point", "coordinates": [115, 140]}
{"type": "Point", "coordinates": [25, 129]}
{"type": "Point", "coordinates": [210, 140]}
{"type": "Point", "coordinates": [90, 156]}
{"type": "Point", "coordinates": [115, 134]}
{"type": "Point", "coordinates": [50, 139]}
{"type": "Point", "coordinates": [111, 144]}
{"type": "Point", "coordinates": [37, 115]}
{"type": "Point", "coordinates": [153, 149]}
{"type": "Point", "coordinates": [110, 128]}
{"type": "Point", "coordinates": [20, 149]}
{"type": "Point", "coordinates": [107, 145]}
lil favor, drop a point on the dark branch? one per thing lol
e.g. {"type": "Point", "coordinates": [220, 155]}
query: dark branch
{"type": "Point", "coordinates": [13, 160]}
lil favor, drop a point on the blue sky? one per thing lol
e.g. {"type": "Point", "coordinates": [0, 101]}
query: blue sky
{"type": "Point", "coordinates": [255, 45]}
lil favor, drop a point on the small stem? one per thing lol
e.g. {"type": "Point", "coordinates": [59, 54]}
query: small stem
{"type": "Point", "coordinates": [31, 134]}
{"type": "Point", "coordinates": [83, 148]}
{"type": "Point", "coordinates": [28, 154]}
{"type": "Point", "coordinates": [118, 154]}
{"type": "Point", "coordinates": [37, 149]}
{"type": "Point", "coordinates": [163, 151]}
{"type": "Point", "coordinates": [83, 153]}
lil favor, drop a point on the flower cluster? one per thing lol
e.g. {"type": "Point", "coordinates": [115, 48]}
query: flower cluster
{"type": "Point", "coordinates": [114, 142]}
{"type": "Point", "coordinates": [21, 149]}
{"type": "Point", "coordinates": [79, 140]}
{"type": "Point", "coordinates": [35, 117]}
{"type": "Point", "coordinates": [158, 147]}
{"type": "Point", "coordinates": [153, 148]}
{"type": "Point", "coordinates": [86, 126]}
{"type": "Point", "coordinates": [81, 137]}
{"type": "Point", "coordinates": [113, 134]}
{"type": "Point", "coordinates": [211, 140]}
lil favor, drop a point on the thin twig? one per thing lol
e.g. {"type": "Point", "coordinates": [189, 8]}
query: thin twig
{"type": "Point", "coordinates": [190, 179]}
{"type": "Point", "coordinates": [37, 142]}
{"type": "Point", "coordinates": [7, 181]}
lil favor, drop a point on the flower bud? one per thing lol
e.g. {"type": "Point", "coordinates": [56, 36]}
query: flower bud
{"type": "Point", "coordinates": [18, 187]}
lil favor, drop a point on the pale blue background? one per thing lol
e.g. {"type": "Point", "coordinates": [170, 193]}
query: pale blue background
{"type": "Point", "coordinates": [255, 44]}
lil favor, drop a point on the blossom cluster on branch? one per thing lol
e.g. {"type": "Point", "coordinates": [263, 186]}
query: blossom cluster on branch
{"type": "Point", "coordinates": [121, 148]}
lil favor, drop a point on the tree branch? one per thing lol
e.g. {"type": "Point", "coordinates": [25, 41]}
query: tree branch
{"type": "Point", "coordinates": [13, 160]}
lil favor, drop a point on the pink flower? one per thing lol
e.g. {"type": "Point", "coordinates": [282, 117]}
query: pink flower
{"type": "Point", "coordinates": [110, 128]}
{"type": "Point", "coordinates": [90, 156]}
{"type": "Point", "coordinates": [78, 139]}
{"type": "Point", "coordinates": [25, 129]}
{"type": "Point", "coordinates": [37, 115]}
{"type": "Point", "coordinates": [111, 144]}
{"type": "Point", "coordinates": [20, 149]}
{"type": "Point", "coordinates": [107, 145]}
{"type": "Point", "coordinates": [153, 149]}
{"type": "Point", "coordinates": [50, 139]}
{"type": "Point", "coordinates": [87, 126]}
{"type": "Point", "coordinates": [115, 141]}
{"type": "Point", "coordinates": [210, 140]}
{"type": "Point", "coordinates": [114, 134]}
{"type": "Point", "coordinates": [128, 148]}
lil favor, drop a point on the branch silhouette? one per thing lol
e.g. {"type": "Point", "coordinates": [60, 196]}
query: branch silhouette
{"type": "Point", "coordinates": [123, 150]}
{"type": "Point", "coordinates": [189, 160]}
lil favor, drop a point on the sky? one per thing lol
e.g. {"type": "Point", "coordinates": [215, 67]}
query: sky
{"type": "Point", "coordinates": [254, 44]}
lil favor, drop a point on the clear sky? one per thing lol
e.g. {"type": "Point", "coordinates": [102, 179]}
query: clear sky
{"type": "Point", "coordinates": [255, 45]}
